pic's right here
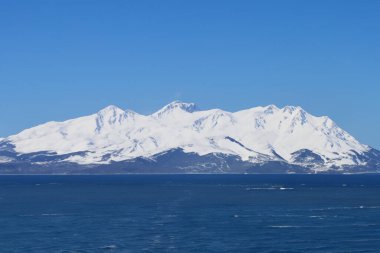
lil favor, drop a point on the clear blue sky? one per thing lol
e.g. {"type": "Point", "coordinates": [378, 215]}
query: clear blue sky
{"type": "Point", "coordinates": [66, 58]}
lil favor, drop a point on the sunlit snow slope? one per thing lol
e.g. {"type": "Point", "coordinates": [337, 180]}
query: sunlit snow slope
{"type": "Point", "coordinates": [255, 135]}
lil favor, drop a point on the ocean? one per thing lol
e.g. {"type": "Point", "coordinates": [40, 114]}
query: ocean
{"type": "Point", "coordinates": [190, 213]}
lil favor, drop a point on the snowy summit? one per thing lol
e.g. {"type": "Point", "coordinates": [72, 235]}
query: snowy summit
{"type": "Point", "coordinates": [182, 138]}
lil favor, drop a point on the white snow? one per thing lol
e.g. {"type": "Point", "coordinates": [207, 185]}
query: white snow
{"type": "Point", "coordinates": [252, 134]}
{"type": "Point", "coordinates": [4, 159]}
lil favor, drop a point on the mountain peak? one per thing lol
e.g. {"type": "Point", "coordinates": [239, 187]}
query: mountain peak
{"type": "Point", "coordinates": [255, 135]}
{"type": "Point", "coordinates": [290, 109]}
{"type": "Point", "coordinates": [176, 105]}
{"type": "Point", "coordinates": [111, 109]}
{"type": "Point", "coordinates": [270, 109]}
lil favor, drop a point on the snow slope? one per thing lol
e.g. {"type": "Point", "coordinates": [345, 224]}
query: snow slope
{"type": "Point", "coordinates": [257, 134]}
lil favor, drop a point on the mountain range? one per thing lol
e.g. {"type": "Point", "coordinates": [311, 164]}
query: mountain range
{"type": "Point", "coordinates": [181, 138]}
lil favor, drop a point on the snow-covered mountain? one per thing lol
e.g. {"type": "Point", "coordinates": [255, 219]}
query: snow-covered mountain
{"type": "Point", "coordinates": [181, 138]}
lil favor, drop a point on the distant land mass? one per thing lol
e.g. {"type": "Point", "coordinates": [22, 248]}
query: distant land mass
{"type": "Point", "coordinates": [180, 138]}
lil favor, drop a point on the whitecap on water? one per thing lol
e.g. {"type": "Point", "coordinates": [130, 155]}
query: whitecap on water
{"type": "Point", "coordinates": [286, 188]}
{"type": "Point", "coordinates": [112, 246]}
{"type": "Point", "coordinates": [260, 188]}
{"type": "Point", "coordinates": [284, 226]}
{"type": "Point", "coordinates": [344, 208]}
{"type": "Point", "coordinates": [52, 214]}
{"type": "Point", "coordinates": [268, 188]}
{"type": "Point", "coordinates": [317, 217]}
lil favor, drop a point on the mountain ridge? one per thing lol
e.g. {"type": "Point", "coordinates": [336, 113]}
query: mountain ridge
{"type": "Point", "coordinates": [251, 138]}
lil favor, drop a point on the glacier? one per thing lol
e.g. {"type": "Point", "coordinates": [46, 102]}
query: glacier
{"type": "Point", "coordinates": [181, 138]}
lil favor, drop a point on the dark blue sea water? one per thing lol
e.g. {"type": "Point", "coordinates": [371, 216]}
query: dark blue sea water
{"type": "Point", "coordinates": [190, 213]}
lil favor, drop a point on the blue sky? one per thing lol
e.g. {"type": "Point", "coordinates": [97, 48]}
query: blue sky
{"type": "Point", "coordinates": [64, 59]}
